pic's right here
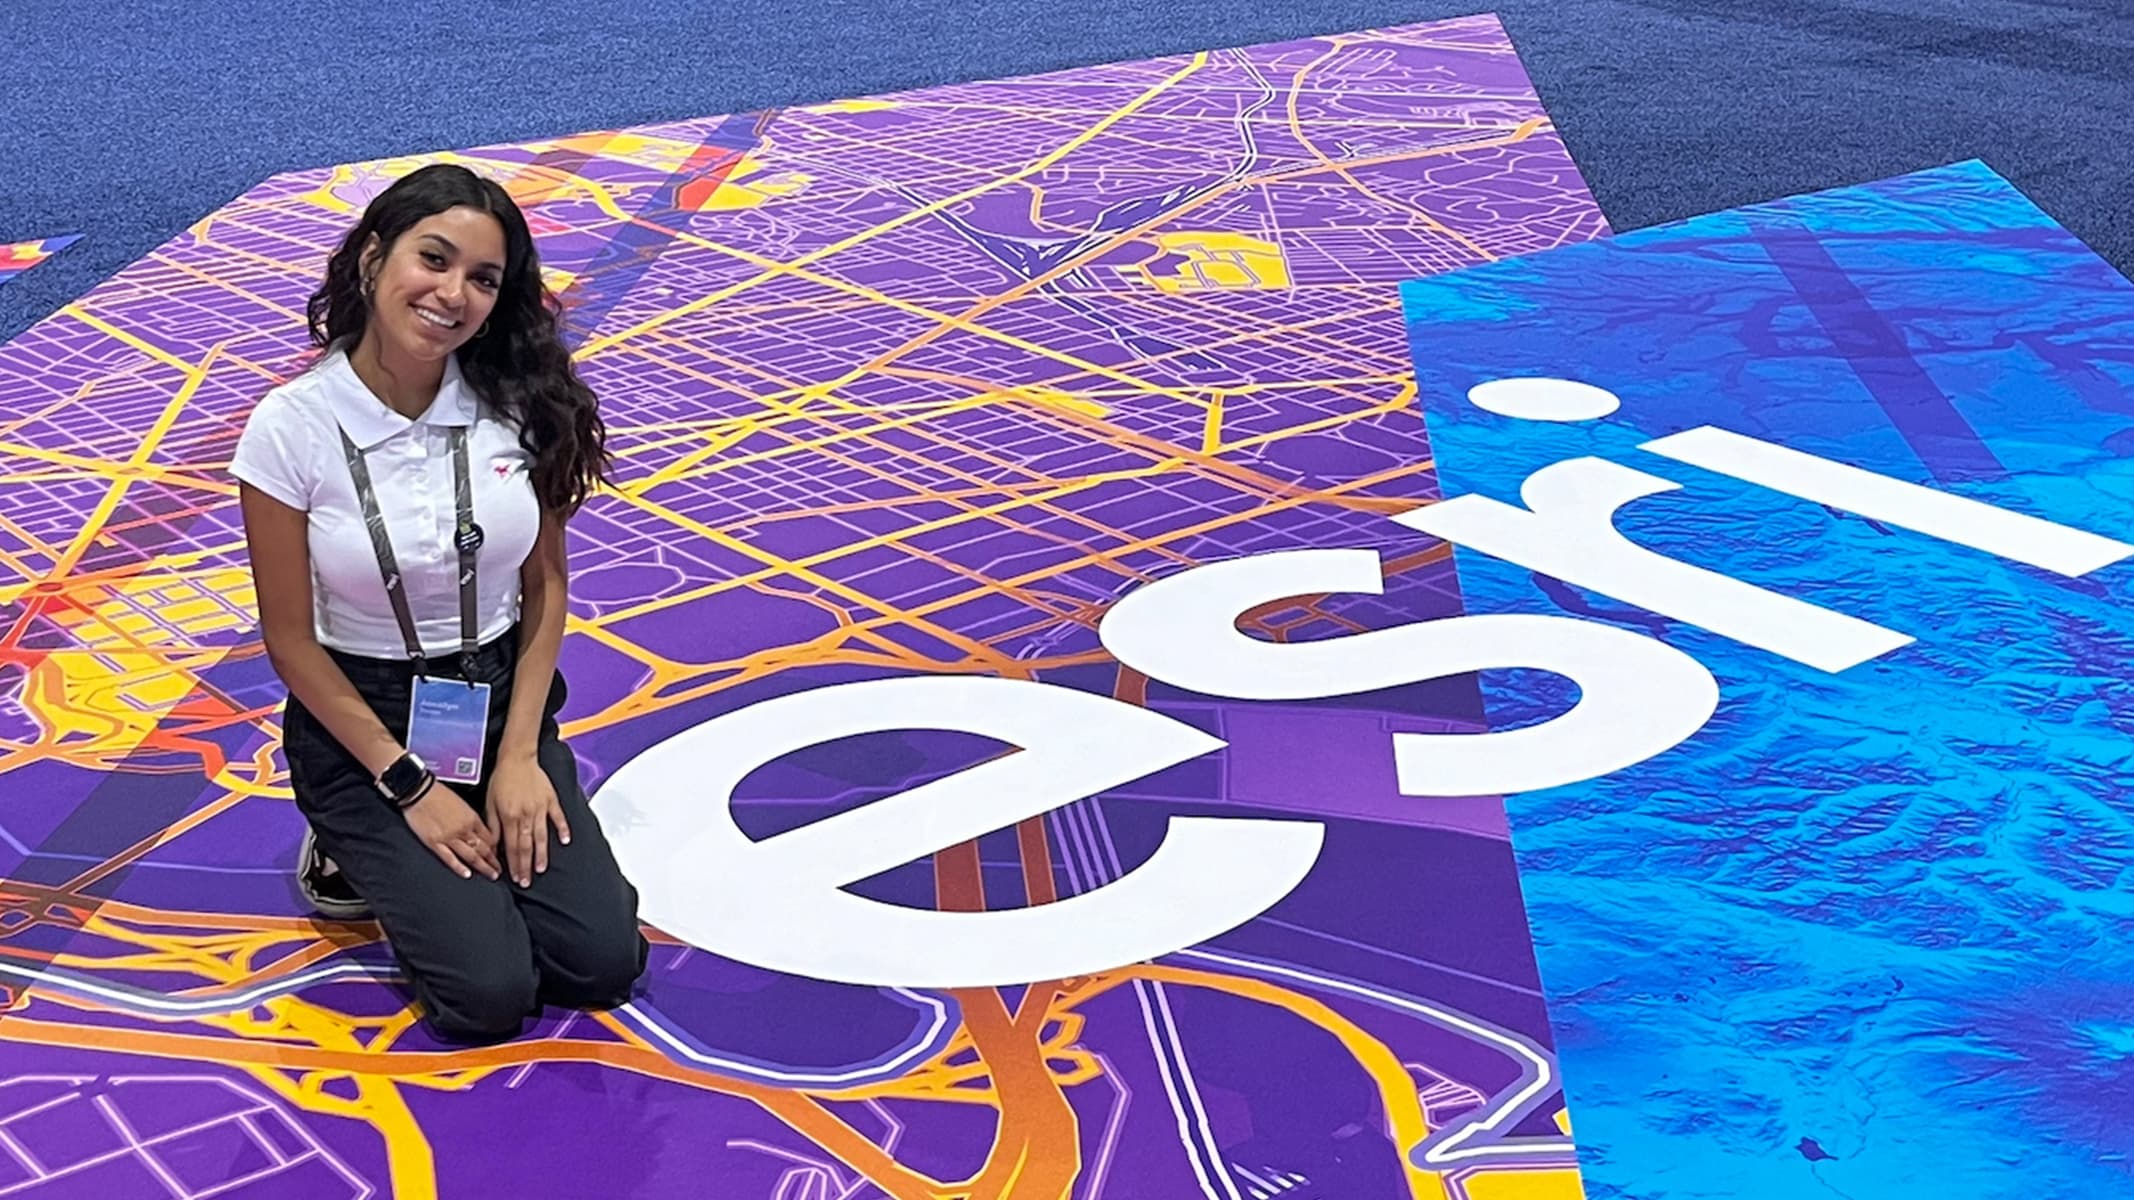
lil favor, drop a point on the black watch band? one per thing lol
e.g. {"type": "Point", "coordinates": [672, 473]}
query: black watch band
{"type": "Point", "coordinates": [415, 797]}
{"type": "Point", "coordinates": [405, 781]}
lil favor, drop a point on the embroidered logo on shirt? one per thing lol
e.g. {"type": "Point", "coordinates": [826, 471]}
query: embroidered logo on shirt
{"type": "Point", "coordinates": [504, 467]}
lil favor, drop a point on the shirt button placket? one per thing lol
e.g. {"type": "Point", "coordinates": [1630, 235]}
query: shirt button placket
{"type": "Point", "coordinates": [438, 535]}
{"type": "Point", "coordinates": [419, 475]}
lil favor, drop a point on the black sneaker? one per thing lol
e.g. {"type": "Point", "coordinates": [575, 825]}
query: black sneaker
{"type": "Point", "coordinates": [325, 888]}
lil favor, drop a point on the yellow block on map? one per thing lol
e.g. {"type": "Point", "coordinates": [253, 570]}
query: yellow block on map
{"type": "Point", "coordinates": [850, 106]}
{"type": "Point", "coordinates": [649, 149]}
{"type": "Point", "coordinates": [1050, 398]}
{"type": "Point", "coordinates": [750, 186]}
{"type": "Point", "coordinates": [1220, 261]}
{"type": "Point", "coordinates": [557, 280]}
{"type": "Point", "coordinates": [135, 658]}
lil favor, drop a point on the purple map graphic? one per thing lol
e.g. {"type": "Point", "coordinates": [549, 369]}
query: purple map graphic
{"type": "Point", "coordinates": [917, 383]}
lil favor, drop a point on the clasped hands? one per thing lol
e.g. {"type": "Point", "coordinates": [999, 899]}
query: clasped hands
{"type": "Point", "coordinates": [522, 807]}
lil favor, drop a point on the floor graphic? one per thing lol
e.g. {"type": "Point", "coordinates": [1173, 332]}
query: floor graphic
{"type": "Point", "coordinates": [910, 386]}
{"type": "Point", "coordinates": [1868, 455]}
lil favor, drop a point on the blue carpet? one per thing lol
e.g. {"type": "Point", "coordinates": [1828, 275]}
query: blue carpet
{"type": "Point", "coordinates": [128, 120]}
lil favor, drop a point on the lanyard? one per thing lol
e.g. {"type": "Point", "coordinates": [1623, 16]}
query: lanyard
{"type": "Point", "coordinates": [467, 538]}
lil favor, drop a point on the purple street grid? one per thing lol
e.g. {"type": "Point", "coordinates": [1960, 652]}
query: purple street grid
{"type": "Point", "coordinates": [909, 397]}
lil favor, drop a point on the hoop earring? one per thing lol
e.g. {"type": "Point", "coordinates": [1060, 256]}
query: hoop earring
{"type": "Point", "coordinates": [483, 331]}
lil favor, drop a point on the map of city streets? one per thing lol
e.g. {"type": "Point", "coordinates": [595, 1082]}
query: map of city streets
{"type": "Point", "coordinates": [915, 384]}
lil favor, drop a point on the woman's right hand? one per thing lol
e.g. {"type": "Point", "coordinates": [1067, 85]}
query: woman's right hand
{"type": "Point", "coordinates": [447, 824]}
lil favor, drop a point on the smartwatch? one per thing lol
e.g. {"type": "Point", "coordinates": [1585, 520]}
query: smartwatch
{"type": "Point", "coordinates": [406, 780]}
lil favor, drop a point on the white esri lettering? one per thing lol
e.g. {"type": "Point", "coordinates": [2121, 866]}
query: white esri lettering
{"type": "Point", "coordinates": [1570, 534]}
{"type": "Point", "coordinates": [780, 903]}
{"type": "Point", "coordinates": [1637, 696]}
{"type": "Point", "coordinates": [1959, 519]}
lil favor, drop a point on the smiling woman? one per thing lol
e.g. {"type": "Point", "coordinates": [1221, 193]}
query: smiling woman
{"type": "Point", "coordinates": [431, 287]}
{"type": "Point", "coordinates": [404, 503]}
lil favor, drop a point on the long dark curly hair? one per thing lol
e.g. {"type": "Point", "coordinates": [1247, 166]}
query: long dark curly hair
{"type": "Point", "coordinates": [520, 366]}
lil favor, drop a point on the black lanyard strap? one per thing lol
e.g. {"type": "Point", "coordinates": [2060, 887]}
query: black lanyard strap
{"type": "Point", "coordinates": [467, 539]}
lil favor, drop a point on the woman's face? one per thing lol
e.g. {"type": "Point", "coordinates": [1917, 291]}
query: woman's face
{"type": "Point", "coordinates": [438, 284]}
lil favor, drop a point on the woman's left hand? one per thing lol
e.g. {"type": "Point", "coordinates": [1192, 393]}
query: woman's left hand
{"type": "Point", "coordinates": [522, 804]}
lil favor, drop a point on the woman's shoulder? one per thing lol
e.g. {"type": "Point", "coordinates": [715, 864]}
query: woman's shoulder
{"type": "Point", "coordinates": [298, 400]}
{"type": "Point", "coordinates": [279, 449]}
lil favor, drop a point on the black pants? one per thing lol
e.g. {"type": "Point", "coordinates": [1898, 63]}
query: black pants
{"type": "Point", "coordinates": [481, 954]}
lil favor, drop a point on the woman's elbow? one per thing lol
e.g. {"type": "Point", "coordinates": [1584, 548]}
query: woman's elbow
{"type": "Point", "coordinates": [285, 645]}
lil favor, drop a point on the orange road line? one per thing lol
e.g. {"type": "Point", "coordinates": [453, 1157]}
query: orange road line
{"type": "Point", "coordinates": [1396, 1088]}
{"type": "Point", "coordinates": [806, 1116]}
{"type": "Point", "coordinates": [1036, 1152]}
{"type": "Point", "coordinates": [803, 1114]}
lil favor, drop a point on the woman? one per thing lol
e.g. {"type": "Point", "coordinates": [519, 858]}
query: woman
{"type": "Point", "coordinates": [404, 502]}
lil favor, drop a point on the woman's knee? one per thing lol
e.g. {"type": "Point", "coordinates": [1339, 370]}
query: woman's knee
{"type": "Point", "coordinates": [482, 1002]}
{"type": "Point", "coordinates": [596, 969]}
{"type": "Point", "coordinates": [617, 968]}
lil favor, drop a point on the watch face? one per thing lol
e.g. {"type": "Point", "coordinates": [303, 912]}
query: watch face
{"type": "Point", "coordinates": [402, 775]}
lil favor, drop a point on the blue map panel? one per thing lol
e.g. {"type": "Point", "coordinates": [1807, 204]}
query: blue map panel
{"type": "Point", "coordinates": [1869, 931]}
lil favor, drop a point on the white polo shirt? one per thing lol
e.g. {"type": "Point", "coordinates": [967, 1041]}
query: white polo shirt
{"type": "Point", "coordinates": [291, 450]}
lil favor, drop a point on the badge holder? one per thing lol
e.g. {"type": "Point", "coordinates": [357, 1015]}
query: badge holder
{"type": "Point", "coordinates": [448, 719]}
{"type": "Point", "coordinates": [448, 726]}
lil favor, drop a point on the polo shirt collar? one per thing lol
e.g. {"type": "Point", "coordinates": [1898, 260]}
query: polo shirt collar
{"type": "Point", "coordinates": [369, 421]}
